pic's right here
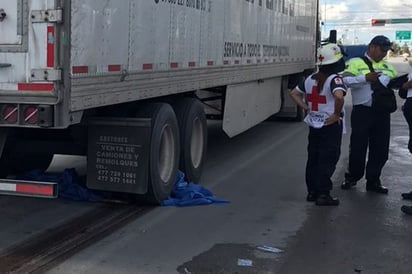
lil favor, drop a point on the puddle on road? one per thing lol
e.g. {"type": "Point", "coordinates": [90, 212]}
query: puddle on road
{"type": "Point", "coordinates": [224, 258]}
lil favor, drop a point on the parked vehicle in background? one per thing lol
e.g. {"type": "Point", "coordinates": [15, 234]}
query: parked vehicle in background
{"type": "Point", "coordinates": [351, 51]}
{"type": "Point", "coordinates": [130, 83]}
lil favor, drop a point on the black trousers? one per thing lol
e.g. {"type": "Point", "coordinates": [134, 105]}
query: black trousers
{"type": "Point", "coordinates": [323, 154]}
{"type": "Point", "coordinates": [407, 112]}
{"type": "Point", "coordinates": [370, 130]}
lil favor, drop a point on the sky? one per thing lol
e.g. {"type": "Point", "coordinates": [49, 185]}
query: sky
{"type": "Point", "coordinates": [352, 19]}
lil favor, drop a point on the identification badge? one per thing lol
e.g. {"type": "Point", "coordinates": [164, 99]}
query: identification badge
{"type": "Point", "coordinates": [316, 119]}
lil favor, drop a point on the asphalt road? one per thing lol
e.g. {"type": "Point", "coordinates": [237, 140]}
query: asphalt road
{"type": "Point", "coordinates": [261, 173]}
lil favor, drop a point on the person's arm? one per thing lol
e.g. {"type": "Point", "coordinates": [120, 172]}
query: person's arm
{"type": "Point", "coordinates": [297, 96]}
{"type": "Point", "coordinates": [387, 74]}
{"type": "Point", "coordinates": [353, 81]}
{"type": "Point", "coordinates": [403, 90]}
{"type": "Point", "coordinates": [353, 78]}
{"type": "Point", "coordinates": [407, 85]}
{"type": "Point", "coordinates": [339, 101]}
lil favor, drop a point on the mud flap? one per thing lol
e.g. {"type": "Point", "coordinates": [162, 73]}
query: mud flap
{"type": "Point", "coordinates": [118, 154]}
{"type": "Point", "coordinates": [3, 137]}
{"type": "Point", "coordinates": [4, 164]}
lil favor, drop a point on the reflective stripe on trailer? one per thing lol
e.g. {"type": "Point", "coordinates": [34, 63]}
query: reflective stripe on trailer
{"type": "Point", "coordinates": [37, 87]}
{"type": "Point", "coordinates": [28, 188]}
{"type": "Point", "coordinates": [50, 46]}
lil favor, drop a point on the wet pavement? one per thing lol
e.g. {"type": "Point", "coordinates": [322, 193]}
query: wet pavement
{"type": "Point", "coordinates": [367, 233]}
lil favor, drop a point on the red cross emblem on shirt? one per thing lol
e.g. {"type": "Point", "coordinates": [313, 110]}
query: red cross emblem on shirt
{"type": "Point", "coordinates": [316, 99]}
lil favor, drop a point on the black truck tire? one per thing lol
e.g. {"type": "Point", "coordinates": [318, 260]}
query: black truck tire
{"type": "Point", "coordinates": [164, 151]}
{"type": "Point", "coordinates": [193, 137]}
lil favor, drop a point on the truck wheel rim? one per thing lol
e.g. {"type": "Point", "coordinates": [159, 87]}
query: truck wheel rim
{"type": "Point", "coordinates": [197, 143]}
{"type": "Point", "coordinates": [166, 153]}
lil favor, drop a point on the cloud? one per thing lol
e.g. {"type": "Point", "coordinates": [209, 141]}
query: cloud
{"type": "Point", "coordinates": [335, 12]}
{"type": "Point", "coordinates": [352, 18]}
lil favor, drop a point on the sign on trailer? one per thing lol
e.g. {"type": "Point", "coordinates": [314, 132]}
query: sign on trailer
{"type": "Point", "coordinates": [118, 154]}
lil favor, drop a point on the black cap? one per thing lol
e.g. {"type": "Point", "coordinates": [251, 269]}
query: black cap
{"type": "Point", "coordinates": [382, 41]}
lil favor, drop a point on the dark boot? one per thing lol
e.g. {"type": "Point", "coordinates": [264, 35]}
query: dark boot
{"type": "Point", "coordinates": [326, 200]}
{"type": "Point", "coordinates": [377, 188]}
{"type": "Point", "coordinates": [347, 184]}
{"type": "Point", "coordinates": [311, 197]}
{"type": "Point", "coordinates": [407, 196]}
{"type": "Point", "coordinates": [407, 209]}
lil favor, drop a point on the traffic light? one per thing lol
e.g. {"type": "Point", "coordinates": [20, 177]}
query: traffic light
{"type": "Point", "coordinates": [401, 21]}
{"type": "Point", "coordinates": [378, 22]}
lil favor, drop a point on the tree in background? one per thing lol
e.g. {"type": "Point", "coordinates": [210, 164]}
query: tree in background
{"type": "Point", "coordinates": [405, 49]}
{"type": "Point", "coordinates": [396, 49]}
{"type": "Point", "coordinates": [399, 50]}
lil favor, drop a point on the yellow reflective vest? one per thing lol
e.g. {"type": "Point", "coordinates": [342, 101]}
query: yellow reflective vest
{"type": "Point", "coordinates": [356, 67]}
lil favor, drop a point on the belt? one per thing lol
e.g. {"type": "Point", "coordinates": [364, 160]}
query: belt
{"type": "Point", "coordinates": [362, 106]}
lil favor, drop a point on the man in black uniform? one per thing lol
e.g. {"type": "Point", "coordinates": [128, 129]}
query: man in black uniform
{"type": "Point", "coordinates": [407, 112]}
{"type": "Point", "coordinates": [370, 128]}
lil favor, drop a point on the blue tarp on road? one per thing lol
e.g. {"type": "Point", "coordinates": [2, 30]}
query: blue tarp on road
{"type": "Point", "coordinates": [190, 194]}
{"type": "Point", "coordinates": [71, 186]}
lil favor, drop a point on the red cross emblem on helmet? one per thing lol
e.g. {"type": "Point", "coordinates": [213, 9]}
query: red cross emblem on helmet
{"type": "Point", "coordinates": [321, 58]}
{"type": "Point", "coordinates": [328, 54]}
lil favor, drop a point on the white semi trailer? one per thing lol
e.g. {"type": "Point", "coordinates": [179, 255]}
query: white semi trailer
{"type": "Point", "coordinates": [130, 83]}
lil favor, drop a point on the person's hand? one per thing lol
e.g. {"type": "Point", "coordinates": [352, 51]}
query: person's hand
{"type": "Point", "coordinates": [407, 85]}
{"type": "Point", "coordinates": [372, 76]}
{"type": "Point", "coordinates": [333, 119]}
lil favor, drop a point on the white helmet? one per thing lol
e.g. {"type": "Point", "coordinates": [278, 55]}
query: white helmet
{"type": "Point", "coordinates": [328, 54]}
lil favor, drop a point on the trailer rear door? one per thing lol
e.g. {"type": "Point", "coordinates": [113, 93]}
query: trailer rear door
{"type": "Point", "coordinates": [11, 22]}
{"type": "Point", "coordinates": [28, 61]}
